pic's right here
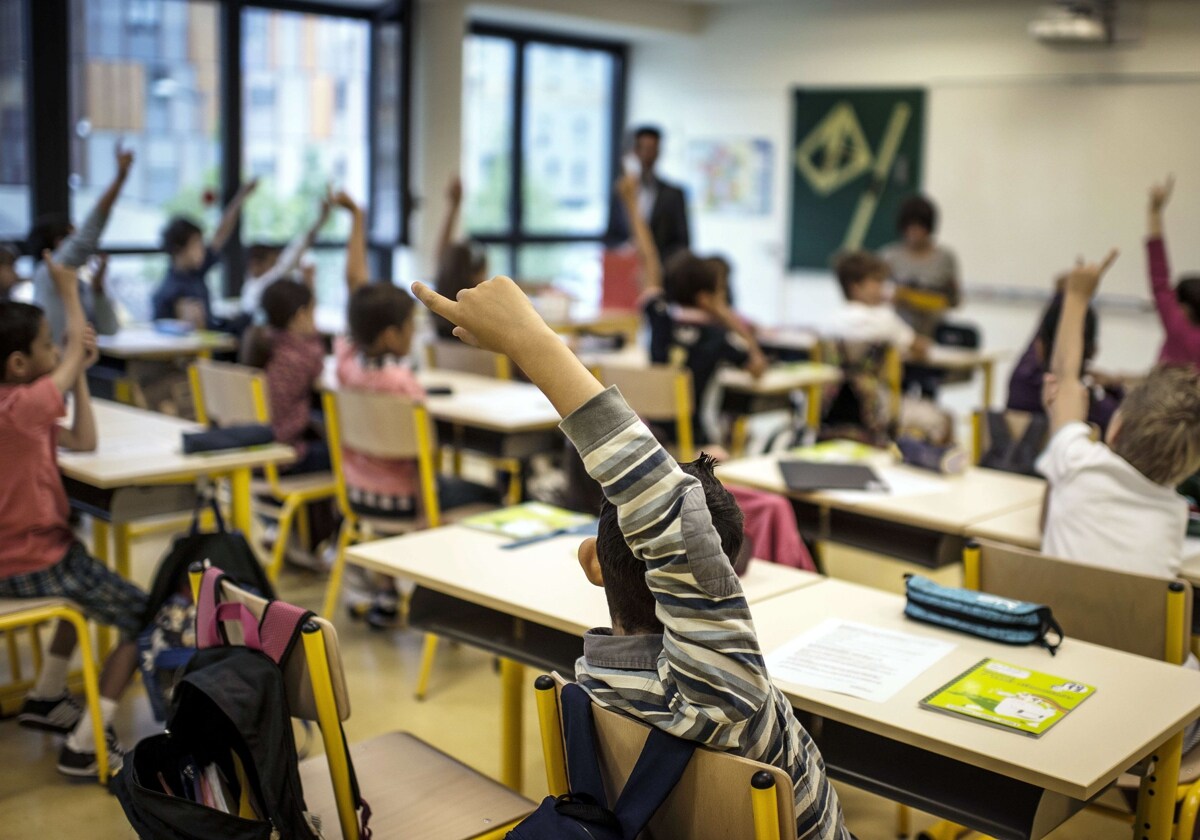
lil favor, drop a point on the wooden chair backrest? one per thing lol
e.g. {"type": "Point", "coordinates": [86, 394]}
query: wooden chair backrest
{"type": "Point", "coordinates": [380, 425]}
{"type": "Point", "coordinates": [711, 801]}
{"type": "Point", "coordinates": [1120, 610]}
{"type": "Point", "coordinates": [454, 355]}
{"type": "Point", "coordinates": [227, 393]}
{"type": "Point", "coordinates": [657, 393]}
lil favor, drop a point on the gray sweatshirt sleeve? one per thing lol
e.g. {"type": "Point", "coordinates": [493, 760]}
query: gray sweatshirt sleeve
{"type": "Point", "coordinates": [76, 248]}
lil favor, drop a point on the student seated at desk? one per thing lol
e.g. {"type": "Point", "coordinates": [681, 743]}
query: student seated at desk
{"type": "Point", "coordinates": [1178, 308]}
{"type": "Point", "coordinates": [39, 555]}
{"type": "Point", "coordinates": [682, 653]}
{"type": "Point", "coordinates": [868, 316]}
{"type": "Point", "coordinates": [266, 263]}
{"type": "Point", "coordinates": [184, 293]}
{"type": "Point", "coordinates": [74, 248]}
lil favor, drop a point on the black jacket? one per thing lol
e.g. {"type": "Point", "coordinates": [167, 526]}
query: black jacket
{"type": "Point", "coordinates": [668, 221]}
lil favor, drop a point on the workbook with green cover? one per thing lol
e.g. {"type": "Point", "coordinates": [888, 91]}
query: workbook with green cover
{"type": "Point", "coordinates": [528, 521]}
{"type": "Point", "coordinates": [1009, 697]}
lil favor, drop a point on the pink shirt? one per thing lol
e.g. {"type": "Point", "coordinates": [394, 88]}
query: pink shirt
{"type": "Point", "coordinates": [1182, 343]}
{"type": "Point", "coordinates": [293, 370]}
{"type": "Point", "coordinates": [388, 375]}
{"type": "Point", "coordinates": [34, 532]}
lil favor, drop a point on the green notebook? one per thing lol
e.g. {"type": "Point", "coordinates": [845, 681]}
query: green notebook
{"type": "Point", "coordinates": [527, 521]}
{"type": "Point", "coordinates": [1009, 697]}
{"type": "Point", "coordinates": [838, 451]}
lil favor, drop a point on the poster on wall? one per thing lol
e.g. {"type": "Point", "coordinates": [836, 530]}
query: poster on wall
{"type": "Point", "coordinates": [856, 156]}
{"type": "Point", "coordinates": [731, 175]}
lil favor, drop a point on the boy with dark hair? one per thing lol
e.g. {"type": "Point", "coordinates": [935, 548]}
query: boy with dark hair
{"type": "Point", "coordinates": [73, 248]}
{"type": "Point", "coordinates": [868, 317]}
{"type": "Point", "coordinates": [39, 555]}
{"type": "Point", "coordinates": [184, 293]}
{"type": "Point", "coordinates": [691, 665]}
{"type": "Point", "coordinates": [926, 273]}
{"type": "Point", "coordinates": [1178, 308]}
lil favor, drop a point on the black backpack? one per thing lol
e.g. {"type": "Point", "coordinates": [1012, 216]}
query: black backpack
{"type": "Point", "coordinates": [583, 814]}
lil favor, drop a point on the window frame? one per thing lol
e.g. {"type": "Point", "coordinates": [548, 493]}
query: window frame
{"type": "Point", "coordinates": [516, 237]}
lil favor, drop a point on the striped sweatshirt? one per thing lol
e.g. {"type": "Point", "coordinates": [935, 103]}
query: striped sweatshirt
{"type": "Point", "coordinates": [703, 678]}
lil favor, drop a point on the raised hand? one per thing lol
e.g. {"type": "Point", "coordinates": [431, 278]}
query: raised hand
{"type": "Point", "coordinates": [1084, 278]}
{"type": "Point", "coordinates": [342, 199]}
{"type": "Point", "coordinates": [454, 191]}
{"type": "Point", "coordinates": [65, 277]}
{"type": "Point", "coordinates": [495, 315]}
{"type": "Point", "coordinates": [125, 158]}
{"type": "Point", "coordinates": [91, 349]}
{"type": "Point", "coordinates": [1160, 194]}
{"type": "Point", "coordinates": [627, 188]}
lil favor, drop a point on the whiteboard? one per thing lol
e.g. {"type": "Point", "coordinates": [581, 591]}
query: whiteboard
{"type": "Point", "coordinates": [1030, 174]}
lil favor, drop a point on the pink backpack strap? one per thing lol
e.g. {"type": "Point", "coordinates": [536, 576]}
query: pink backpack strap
{"type": "Point", "coordinates": [280, 627]}
{"type": "Point", "coordinates": [207, 633]}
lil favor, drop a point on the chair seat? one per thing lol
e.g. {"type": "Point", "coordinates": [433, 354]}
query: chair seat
{"type": "Point", "coordinates": [414, 790]}
{"type": "Point", "coordinates": [11, 606]}
{"type": "Point", "coordinates": [305, 482]}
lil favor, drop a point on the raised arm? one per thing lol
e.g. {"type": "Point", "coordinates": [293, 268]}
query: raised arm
{"type": "Point", "coordinates": [454, 195]}
{"type": "Point", "coordinates": [76, 248]}
{"type": "Point", "coordinates": [652, 273]}
{"type": "Point", "coordinates": [357, 272]}
{"type": "Point", "coordinates": [229, 218]}
{"type": "Point", "coordinates": [1174, 320]}
{"type": "Point", "coordinates": [289, 260]}
{"type": "Point", "coordinates": [1065, 395]}
{"type": "Point", "coordinates": [74, 354]}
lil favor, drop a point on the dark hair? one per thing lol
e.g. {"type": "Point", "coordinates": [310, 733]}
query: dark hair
{"type": "Point", "coordinates": [630, 601]}
{"type": "Point", "coordinates": [47, 231]}
{"type": "Point", "coordinates": [647, 131]}
{"type": "Point", "coordinates": [19, 326]}
{"type": "Point", "coordinates": [686, 275]}
{"type": "Point", "coordinates": [853, 267]}
{"type": "Point", "coordinates": [178, 233]}
{"type": "Point", "coordinates": [457, 268]}
{"type": "Point", "coordinates": [1187, 292]}
{"type": "Point", "coordinates": [260, 252]}
{"type": "Point", "coordinates": [8, 255]}
{"type": "Point", "coordinates": [282, 300]}
{"type": "Point", "coordinates": [375, 307]}
{"type": "Point", "coordinates": [1048, 331]}
{"type": "Point", "coordinates": [917, 210]}
{"type": "Point", "coordinates": [255, 348]}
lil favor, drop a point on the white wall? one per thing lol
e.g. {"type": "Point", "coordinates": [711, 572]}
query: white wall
{"type": "Point", "coordinates": [736, 76]}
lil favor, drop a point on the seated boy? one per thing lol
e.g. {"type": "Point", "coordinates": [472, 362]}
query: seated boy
{"type": "Point", "coordinates": [682, 653]}
{"type": "Point", "coordinates": [39, 556]}
{"type": "Point", "coordinates": [868, 317]}
{"type": "Point", "coordinates": [1114, 503]}
{"type": "Point", "coordinates": [184, 293]}
{"type": "Point", "coordinates": [266, 263]}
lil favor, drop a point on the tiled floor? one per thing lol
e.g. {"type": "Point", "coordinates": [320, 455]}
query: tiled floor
{"type": "Point", "coordinates": [461, 716]}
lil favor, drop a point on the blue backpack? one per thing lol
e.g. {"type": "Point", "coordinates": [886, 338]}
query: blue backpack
{"type": "Point", "coordinates": [583, 814]}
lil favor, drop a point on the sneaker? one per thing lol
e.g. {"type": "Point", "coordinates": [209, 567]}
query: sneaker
{"type": "Point", "coordinates": [83, 764]}
{"type": "Point", "coordinates": [58, 714]}
{"type": "Point", "coordinates": [383, 617]}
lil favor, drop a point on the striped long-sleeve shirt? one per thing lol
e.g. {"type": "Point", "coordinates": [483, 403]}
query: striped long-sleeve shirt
{"type": "Point", "coordinates": [704, 678]}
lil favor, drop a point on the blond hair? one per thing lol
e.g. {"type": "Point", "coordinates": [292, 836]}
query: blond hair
{"type": "Point", "coordinates": [1160, 425]}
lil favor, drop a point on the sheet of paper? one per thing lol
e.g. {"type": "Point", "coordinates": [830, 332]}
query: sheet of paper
{"type": "Point", "coordinates": [855, 659]}
{"type": "Point", "coordinates": [900, 483]}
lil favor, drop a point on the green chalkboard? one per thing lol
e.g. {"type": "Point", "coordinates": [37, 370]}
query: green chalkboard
{"type": "Point", "coordinates": [856, 156]}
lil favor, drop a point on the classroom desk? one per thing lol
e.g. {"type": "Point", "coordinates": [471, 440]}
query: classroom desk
{"type": "Point", "coordinates": [744, 395]}
{"type": "Point", "coordinates": [139, 448]}
{"type": "Point", "coordinates": [997, 782]}
{"type": "Point", "coordinates": [924, 521]}
{"type": "Point", "coordinates": [143, 343]}
{"type": "Point", "coordinates": [627, 322]}
{"type": "Point", "coordinates": [530, 605]}
{"type": "Point", "coordinates": [964, 360]}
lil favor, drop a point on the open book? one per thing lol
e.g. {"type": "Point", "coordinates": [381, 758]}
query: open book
{"type": "Point", "coordinates": [528, 521]}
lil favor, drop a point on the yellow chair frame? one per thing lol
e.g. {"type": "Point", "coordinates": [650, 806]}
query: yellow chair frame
{"type": "Point", "coordinates": [293, 502]}
{"type": "Point", "coordinates": [683, 399]}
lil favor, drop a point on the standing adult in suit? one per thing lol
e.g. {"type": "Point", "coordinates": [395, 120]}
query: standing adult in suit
{"type": "Point", "coordinates": [662, 204]}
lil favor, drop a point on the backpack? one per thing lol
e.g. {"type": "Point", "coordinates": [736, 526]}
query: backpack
{"type": "Point", "coordinates": [228, 766]}
{"type": "Point", "coordinates": [583, 813]}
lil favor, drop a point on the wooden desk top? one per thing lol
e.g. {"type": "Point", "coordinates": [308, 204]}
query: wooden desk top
{"type": "Point", "coordinates": [143, 342]}
{"type": "Point", "coordinates": [1138, 702]}
{"type": "Point", "coordinates": [140, 447]}
{"type": "Point", "coordinates": [780, 379]}
{"type": "Point", "coordinates": [960, 358]}
{"type": "Point", "coordinates": [606, 320]}
{"type": "Point", "coordinates": [541, 582]}
{"type": "Point", "coordinates": [948, 504]}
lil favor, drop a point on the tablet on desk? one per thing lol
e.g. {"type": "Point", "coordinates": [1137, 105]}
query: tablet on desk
{"type": "Point", "coordinates": [809, 476]}
{"type": "Point", "coordinates": [439, 391]}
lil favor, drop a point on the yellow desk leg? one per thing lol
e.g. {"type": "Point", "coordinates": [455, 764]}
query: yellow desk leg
{"type": "Point", "coordinates": [814, 406]}
{"type": "Point", "coordinates": [1155, 818]}
{"type": "Point", "coordinates": [988, 375]}
{"type": "Point", "coordinates": [739, 435]}
{"type": "Point", "coordinates": [123, 391]}
{"type": "Point", "coordinates": [239, 492]}
{"type": "Point", "coordinates": [100, 543]}
{"type": "Point", "coordinates": [512, 686]}
{"type": "Point", "coordinates": [123, 551]}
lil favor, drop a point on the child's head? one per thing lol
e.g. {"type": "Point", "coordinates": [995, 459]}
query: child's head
{"type": "Point", "coordinates": [261, 258]}
{"type": "Point", "coordinates": [607, 560]}
{"type": "Point", "coordinates": [1187, 292]}
{"type": "Point", "coordinates": [916, 222]}
{"type": "Point", "coordinates": [1157, 427]}
{"type": "Point", "coordinates": [863, 277]}
{"type": "Point", "coordinates": [8, 269]}
{"type": "Point", "coordinates": [1048, 332]}
{"type": "Point", "coordinates": [464, 265]}
{"type": "Point", "coordinates": [48, 232]}
{"type": "Point", "coordinates": [289, 306]}
{"type": "Point", "coordinates": [27, 348]}
{"type": "Point", "coordinates": [724, 271]}
{"type": "Point", "coordinates": [380, 317]}
{"type": "Point", "coordinates": [689, 280]}
{"type": "Point", "coordinates": [183, 240]}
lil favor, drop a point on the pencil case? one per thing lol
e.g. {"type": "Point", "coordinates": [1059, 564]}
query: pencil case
{"type": "Point", "coordinates": [981, 614]}
{"type": "Point", "coordinates": [230, 437]}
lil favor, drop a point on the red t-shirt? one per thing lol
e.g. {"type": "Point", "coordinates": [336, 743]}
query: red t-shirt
{"type": "Point", "coordinates": [292, 373]}
{"type": "Point", "coordinates": [34, 529]}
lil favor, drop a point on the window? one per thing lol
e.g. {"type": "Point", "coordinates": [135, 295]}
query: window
{"type": "Point", "coordinates": [14, 161]}
{"type": "Point", "coordinates": [541, 121]}
{"type": "Point", "coordinates": [145, 73]}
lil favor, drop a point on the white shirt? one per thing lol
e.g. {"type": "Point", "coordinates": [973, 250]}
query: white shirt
{"type": "Point", "coordinates": [289, 261]}
{"type": "Point", "coordinates": [874, 324]}
{"type": "Point", "coordinates": [1103, 512]}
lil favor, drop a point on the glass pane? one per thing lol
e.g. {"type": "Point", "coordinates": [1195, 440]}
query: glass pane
{"type": "Point", "coordinates": [568, 139]}
{"type": "Point", "coordinates": [330, 285]}
{"type": "Point", "coordinates": [573, 268]}
{"type": "Point", "coordinates": [386, 198]}
{"type": "Point", "coordinates": [132, 279]}
{"type": "Point", "coordinates": [488, 89]}
{"type": "Point", "coordinates": [146, 73]}
{"type": "Point", "coordinates": [14, 163]}
{"type": "Point", "coordinates": [304, 118]}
